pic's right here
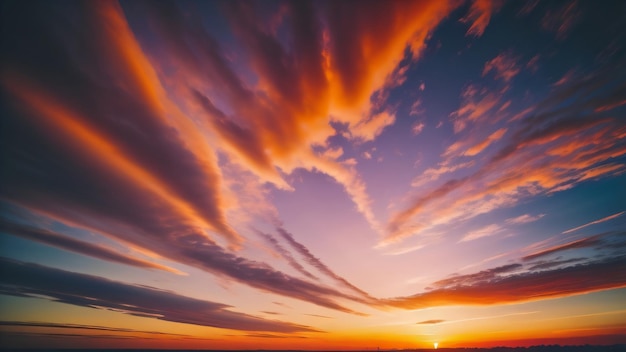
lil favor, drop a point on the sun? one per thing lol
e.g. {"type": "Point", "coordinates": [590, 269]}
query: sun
{"type": "Point", "coordinates": [436, 345]}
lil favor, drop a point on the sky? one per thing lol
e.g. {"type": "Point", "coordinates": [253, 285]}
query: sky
{"type": "Point", "coordinates": [312, 174]}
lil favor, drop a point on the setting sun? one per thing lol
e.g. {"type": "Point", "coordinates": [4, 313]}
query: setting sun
{"type": "Point", "coordinates": [312, 174]}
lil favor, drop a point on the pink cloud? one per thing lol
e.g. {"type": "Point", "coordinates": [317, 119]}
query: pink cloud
{"type": "Point", "coordinates": [479, 15]}
{"type": "Point", "coordinates": [503, 66]}
{"type": "Point", "coordinates": [599, 221]}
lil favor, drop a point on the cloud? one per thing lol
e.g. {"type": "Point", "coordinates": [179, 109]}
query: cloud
{"type": "Point", "coordinates": [326, 71]}
{"type": "Point", "coordinates": [533, 63]}
{"type": "Point", "coordinates": [476, 149]}
{"type": "Point", "coordinates": [19, 278]}
{"type": "Point", "coordinates": [434, 173]}
{"type": "Point", "coordinates": [368, 130]}
{"type": "Point", "coordinates": [316, 263]}
{"type": "Point", "coordinates": [560, 142]}
{"type": "Point", "coordinates": [145, 148]}
{"type": "Point", "coordinates": [504, 66]}
{"type": "Point", "coordinates": [486, 288]}
{"type": "Point", "coordinates": [599, 221]}
{"type": "Point", "coordinates": [417, 128]}
{"type": "Point", "coordinates": [115, 151]}
{"type": "Point", "coordinates": [479, 14]}
{"type": "Point", "coordinates": [524, 219]}
{"type": "Point", "coordinates": [528, 7]}
{"type": "Point", "coordinates": [416, 107]}
{"type": "Point", "coordinates": [541, 265]}
{"type": "Point", "coordinates": [285, 254]}
{"type": "Point", "coordinates": [561, 20]}
{"type": "Point", "coordinates": [406, 250]}
{"type": "Point", "coordinates": [581, 243]}
{"type": "Point", "coordinates": [489, 230]}
{"type": "Point", "coordinates": [429, 322]}
{"type": "Point", "coordinates": [472, 279]}
{"type": "Point", "coordinates": [73, 245]}
{"type": "Point", "coordinates": [274, 336]}
{"type": "Point", "coordinates": [319, 316]}
{"type": "Point", "coordinates": [476, 105]}
{"type": "Point", "coordinates": [37, 324]}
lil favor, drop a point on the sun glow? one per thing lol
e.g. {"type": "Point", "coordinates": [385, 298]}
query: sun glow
{"type": "Point", "coordinates": [436, 345]}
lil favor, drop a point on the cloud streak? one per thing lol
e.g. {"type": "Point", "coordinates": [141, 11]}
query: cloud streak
{"type": "Point", "coordinates": [599, 221]}
{"type": "Point", "coordinates": [20, 279]}
{"type": "Point", "coordinates": [581, 243]}
{"type": "Point", "coordinates": [486, 288]}
{"type": "Point", "coordinates": [73, 245]}
{"type": "Point", "coordinates": [562, 143]}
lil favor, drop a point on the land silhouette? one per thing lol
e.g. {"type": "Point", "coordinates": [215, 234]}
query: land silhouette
{"type": "Point", "coordinates": [538, 348]}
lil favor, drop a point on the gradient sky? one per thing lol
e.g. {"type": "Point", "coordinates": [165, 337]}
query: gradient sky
{"type": "Point", "coordinates": [312, 175]}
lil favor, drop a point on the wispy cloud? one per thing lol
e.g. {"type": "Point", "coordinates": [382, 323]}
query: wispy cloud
{"type": "Point", "coordinates": [599, 221]}
{"type": "Point", "coordinates": [489, 230]}
{"type": "Point", "coordinates": [85, 248]}
{"type": "Point", "coordinates": [38, 324]}
{"type": "Point", "coordinates": [549, 264]}
{"type": "Point", "coordinates": [22, 279]}
{"type": "Point", "coordinates": [524, 219]}
{"type": "Point", "coordinates": [287, 255]}
{"type": "Point", "coordinates": [486, 288]}
{"type": "Point", "coordinates": [476, 105]}
{"type": "Point", "coordinates": [322, 77]}
{"type": "Point", "coordinates": [581, 243]}
{"type": "Point", "coordinates": [151, 178]}
{"type": "Point", "coordinates": [504, 66]}
{"type": "Point", "coordinates": [552, 149]}
{"type": "Point", "coordinates": [485, 143]}
{"type": "Point", "coordinates": [316, 263]}
{"type": "Point", "coordinates": [561, 20]}
{"type": "Point", "coordinates": [430, 322]}
{"type": "Point", "coordinates": [479, 16]}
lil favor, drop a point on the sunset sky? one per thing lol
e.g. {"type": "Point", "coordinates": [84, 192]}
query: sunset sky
{"type": "Point", "coordinates": [312, 175]}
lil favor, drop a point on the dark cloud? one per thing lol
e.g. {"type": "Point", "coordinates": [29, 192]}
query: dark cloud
{"type": "Point", "coordinates": [260, 275]}
{"type": "Point", "coordinates": [19, 278]}
{"type": "Point", "coordinates": [583, 278]}
{"type": "Point", "coordinates": [90, 76]}
{"type": "Point", "coordinates": [587, 242]}
{"type": "Point", "coordinates": [287, 255]}
{"type": "Point", "coordinates": [561, 20]}
{"type": "Point", "coordinates": [547, 264]}
{"type": "Point", "coordinates": [315, 262]}
{"type": "Point", "coordinates": [70, 244]}
{"type": "Point", "coordinates": [94, 143]}
{"type": "Point", "coordinates": [83, 327]}
{"type": "Point", "coordinates": [471, 279]}
{"type": "Point", "coordinates": [274, 336]}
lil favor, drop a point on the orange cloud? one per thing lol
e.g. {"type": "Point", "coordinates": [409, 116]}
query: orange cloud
{"type": "Point", "coordinates": [73, 129]}
{"type": "Point", "coordinates": [524, 287]}
{"type": "Point", "coordinates": [504, 66]}
{"type": "Point", "coordinates": [475, 107]}
{"type": "Point", "coordinates": [336, 61]}
{"type": "Point", "coordinates": [548, 151]}
{"type": "Point", "coordinates": [476, 149]}
{"type": "Point", "coordinates": [479, 16]}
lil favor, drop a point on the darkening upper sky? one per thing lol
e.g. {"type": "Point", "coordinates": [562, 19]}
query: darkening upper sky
{"type": "Point", "coordinates": [313, 175]}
